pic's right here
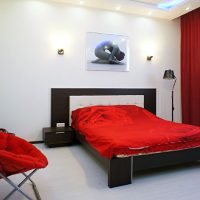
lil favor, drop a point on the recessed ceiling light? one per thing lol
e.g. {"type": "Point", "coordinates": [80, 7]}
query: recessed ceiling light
{"type": "Point", "coordinates": [81, 2]}
{"type": "Point", "coordinates": [188, 8]}
{"type": "Point", "coordinates": [149, 13]}
{"type": "Point", "coordinates": [118, 8]}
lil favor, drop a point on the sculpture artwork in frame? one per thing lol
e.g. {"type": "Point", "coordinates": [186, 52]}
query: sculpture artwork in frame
{"type": "Point", "coordinates": [107, 52]}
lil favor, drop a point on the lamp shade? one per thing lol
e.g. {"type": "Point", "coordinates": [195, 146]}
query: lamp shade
{"type": "Point", "coordinates": [169, 74]}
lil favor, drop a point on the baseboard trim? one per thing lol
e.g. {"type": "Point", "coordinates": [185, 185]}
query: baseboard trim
{"type": "Point", "coordinates": [36, 142]}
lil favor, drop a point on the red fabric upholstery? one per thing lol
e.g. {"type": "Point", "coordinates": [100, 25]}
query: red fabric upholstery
{"type": "Point", "coordinates": [17, 155]}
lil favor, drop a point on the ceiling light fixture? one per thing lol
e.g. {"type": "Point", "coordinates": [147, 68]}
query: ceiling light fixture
{"type": "Point", "coordinates": [166, 5]}
{"type": "Point", "coordinates": [81, 2]}
{"type": "Point", "coordinates": [118, 8]}
{"type": "Point", "coordinates": [188, 8]}
{"type": "Point", "coordinates": [170, 4]}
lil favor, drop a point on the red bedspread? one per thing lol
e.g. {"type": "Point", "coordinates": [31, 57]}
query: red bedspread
{"type": "Point", "coordinates": [132, 130]}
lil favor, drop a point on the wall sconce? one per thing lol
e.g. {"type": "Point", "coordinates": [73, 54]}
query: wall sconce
{"type": "Point", "coordinates": [60, 51]}
{"type": "Point", "coordinates": [149, 57]}
{"type": "Point", "coordinates": [61, 42]}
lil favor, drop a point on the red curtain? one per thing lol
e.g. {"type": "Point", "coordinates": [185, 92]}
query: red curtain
{"type": "Point", "coordinates": [190, 67]}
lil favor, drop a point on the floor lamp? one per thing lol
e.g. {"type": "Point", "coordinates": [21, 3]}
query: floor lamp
{"type": "Point", "coordinates": [169, 74]}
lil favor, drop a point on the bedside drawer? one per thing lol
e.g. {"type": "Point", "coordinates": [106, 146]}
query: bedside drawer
{"type": "Point", "coordinates": [58, 137]}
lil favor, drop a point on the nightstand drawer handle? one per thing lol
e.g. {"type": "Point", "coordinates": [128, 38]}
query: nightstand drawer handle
{"type": "Point", "coordinates": [59, 132]}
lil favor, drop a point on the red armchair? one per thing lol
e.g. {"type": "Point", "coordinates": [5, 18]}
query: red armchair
{"type": "Point", "coordinates": [19, 156]}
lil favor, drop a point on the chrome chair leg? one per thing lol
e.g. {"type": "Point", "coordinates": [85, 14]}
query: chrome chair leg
{"type": "Point", "coordinates": [17, 187]}
{"type": "Point", "coordinates": [37, 194]}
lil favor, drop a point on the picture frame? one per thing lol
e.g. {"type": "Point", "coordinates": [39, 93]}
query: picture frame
{"type": "Point", "coordinates": [107, 52]}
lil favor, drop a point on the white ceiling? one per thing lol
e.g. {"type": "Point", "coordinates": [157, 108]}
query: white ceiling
{"type": "Point", "coordinates": [142, 7]}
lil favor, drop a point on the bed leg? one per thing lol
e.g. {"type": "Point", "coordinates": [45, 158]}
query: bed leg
{"type": "Point", "coordinates": [120, 172]}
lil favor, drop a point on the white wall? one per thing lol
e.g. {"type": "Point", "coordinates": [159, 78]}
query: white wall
{"type": "Point", "coordinates": [30, 66]}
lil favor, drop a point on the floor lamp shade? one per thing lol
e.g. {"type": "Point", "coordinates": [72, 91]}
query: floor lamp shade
{"type": "Point", "coordinates": [169, 74]}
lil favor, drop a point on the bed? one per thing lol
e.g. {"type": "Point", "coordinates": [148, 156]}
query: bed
{"type": "Point", "coordinates": [120, 170]}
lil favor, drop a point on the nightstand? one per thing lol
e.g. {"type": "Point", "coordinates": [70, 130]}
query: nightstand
{"type": "Point", "coordinates": [58, 136]}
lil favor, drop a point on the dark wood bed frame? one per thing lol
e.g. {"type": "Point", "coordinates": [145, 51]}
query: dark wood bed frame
{"type": "Point", "coordinates": [120, 170]}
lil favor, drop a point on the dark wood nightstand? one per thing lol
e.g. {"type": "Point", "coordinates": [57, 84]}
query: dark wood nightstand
{"type": "Point", "coordinates": [58, 136]}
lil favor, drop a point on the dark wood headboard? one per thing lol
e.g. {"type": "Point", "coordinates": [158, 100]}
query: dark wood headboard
{"type": "Point", "coordinates": [60, 99]}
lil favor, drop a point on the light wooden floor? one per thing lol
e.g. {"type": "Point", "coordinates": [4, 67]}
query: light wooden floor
{"type": "Point", "coordinates": [73, 174]}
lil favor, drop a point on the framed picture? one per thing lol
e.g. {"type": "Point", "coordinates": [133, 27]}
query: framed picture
{"type": "Point", "coordinates": [107, 52]}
